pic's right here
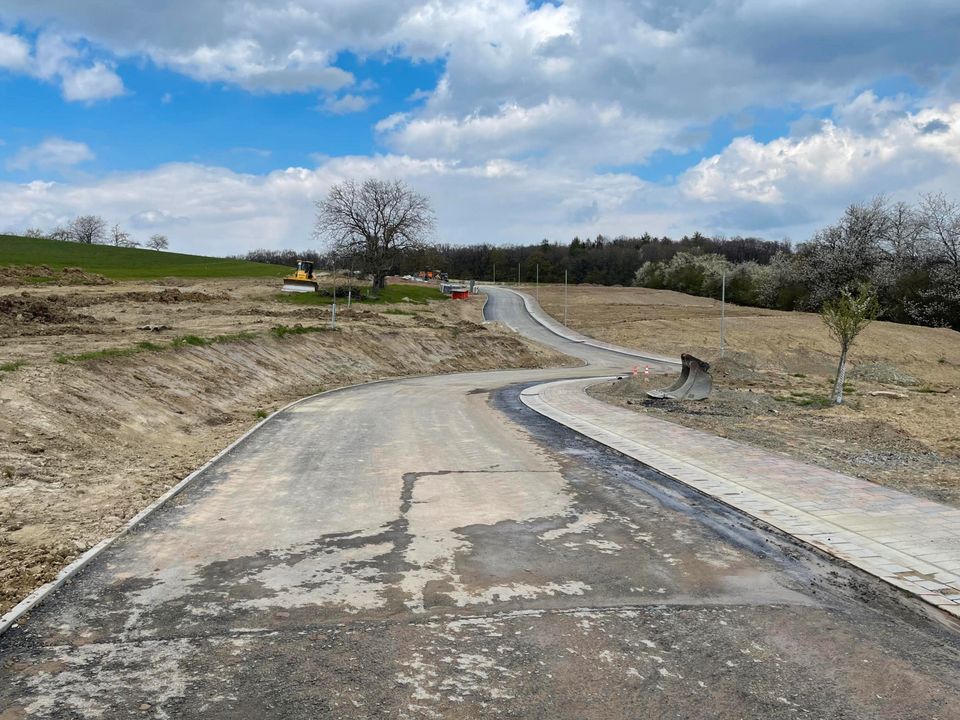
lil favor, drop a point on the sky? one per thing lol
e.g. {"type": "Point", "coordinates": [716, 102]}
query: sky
{"type": "Point", "coordinates": [220, 123]}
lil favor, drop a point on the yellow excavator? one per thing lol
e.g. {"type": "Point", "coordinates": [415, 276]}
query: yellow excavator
{"type": "Point", "coordinates": [302, 279]}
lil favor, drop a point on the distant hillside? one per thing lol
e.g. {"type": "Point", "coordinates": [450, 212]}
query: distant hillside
{"type": "Point", "coordinates": [125, 263]}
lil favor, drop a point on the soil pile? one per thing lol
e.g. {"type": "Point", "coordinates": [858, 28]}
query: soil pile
{"type": "Point", "coordinates": [170, 295]}
{"type": "Point", "coordinates": [27, 309]}
{"type": "Point", "coordinates": [14, 275]}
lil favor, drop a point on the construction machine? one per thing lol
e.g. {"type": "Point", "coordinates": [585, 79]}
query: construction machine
{"type": "Point", "coordinates": [302, 279]}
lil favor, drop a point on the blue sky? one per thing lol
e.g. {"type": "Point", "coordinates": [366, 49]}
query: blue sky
{"type": "Point", "coordinates": [163, 116]}
{"type": "Point", "coordinates": [219, 123]}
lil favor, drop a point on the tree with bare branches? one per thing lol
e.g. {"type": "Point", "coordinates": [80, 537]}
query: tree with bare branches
{"type": "Point", "coordinates": [158, 242]}
{"type": "Point", "coordinates": [941, 220]}
{"type": "Point", "coordinates": [121, 238]}
{"type": "Point", "coordinates": [374, 223]}
{"type": "Point", "coordinates": [88, 229]}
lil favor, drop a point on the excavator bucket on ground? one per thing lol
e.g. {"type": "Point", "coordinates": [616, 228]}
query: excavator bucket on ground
{"type": "Point", "coordinates": [302, 279]}
{"type": "Point", "coordinates": [694, 382]}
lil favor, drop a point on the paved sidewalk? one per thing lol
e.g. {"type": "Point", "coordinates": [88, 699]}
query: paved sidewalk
{"type": "Point", "coordinates": [911, 543]}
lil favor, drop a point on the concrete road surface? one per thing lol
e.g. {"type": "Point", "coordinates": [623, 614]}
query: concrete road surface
{"type": "Point", "coordinates": [430, 548]}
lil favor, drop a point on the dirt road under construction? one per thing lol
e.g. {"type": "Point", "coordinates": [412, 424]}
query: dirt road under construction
{"type": "Point", "coordinates": [430, 548]}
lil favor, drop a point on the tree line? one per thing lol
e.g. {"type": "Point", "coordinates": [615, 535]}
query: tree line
{"type": "Point", "coordinates": [600, 260]}
{"type": "Point", "coordinates": [94, 230]}
{"type": "Point", "coordinates": [909, 254]}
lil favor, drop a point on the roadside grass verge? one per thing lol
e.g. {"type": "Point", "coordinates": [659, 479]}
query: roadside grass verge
{"type": "Point", "coordinates": [181, 341]}
{"type": "Point", "coordinates": [281, 331]}
{"type": "Point", "coordinates": [391, 294]}
{"type": "Point", "coordinates": [125, 263]}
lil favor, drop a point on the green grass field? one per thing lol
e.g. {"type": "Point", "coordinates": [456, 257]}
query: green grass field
{"type": "Point", "coordinates": [126, 263]}
{"type": "Point", "coordinates": [417, 294]}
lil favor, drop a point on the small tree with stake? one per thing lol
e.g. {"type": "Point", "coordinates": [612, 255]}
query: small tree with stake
{"type": "Point", "coordinates": [845, 317]}
{"type": "Point", "coordinates": [374, 222]}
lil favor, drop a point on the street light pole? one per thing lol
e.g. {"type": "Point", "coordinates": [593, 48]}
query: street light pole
{"type": "Point", "coordinates": [723, 309]}
{"type": "Point", "coordinates": [494, 273]}
{"type": "Point", "coordinates": [564, 297]}
{"type": "Point", "coordinates": [538, 282]}
{"type": "Point", "coordinates": [518, 274]}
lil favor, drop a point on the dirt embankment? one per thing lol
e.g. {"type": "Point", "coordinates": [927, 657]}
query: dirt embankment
{"type": "Point", "coordinates": [16, 275]}
{"type": "Point", "coordinates": [86, 444]}
{"type": "Point", "coordinates": [899, 426]}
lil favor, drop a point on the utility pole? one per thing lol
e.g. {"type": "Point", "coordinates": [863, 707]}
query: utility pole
{"type": "Point", "coordinates": [518, 274]}
{"type": "Point", "coordinates": [723, 303]}
{"type": "Point", "coordinates": [494, 273]}
{"type": "Point", "coordinates": [564, 297]}
{"type": "Point", "coordinates": [538, 282]}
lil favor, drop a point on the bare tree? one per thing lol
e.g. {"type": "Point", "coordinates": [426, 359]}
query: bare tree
{"type": "Point", "coordinates": [60, 233]}
{"type": "Point", "coordinates": [845, 317]}
{"type": "Point", "coordinates": [34, 232]}
{"type": "Point", "coordinates": [120, 238]}
{"type": "Point", "coordinates": [88, 229]}
{"type": "Point", "coordinates": [904, 241]}
{"type": "Point", "coordinates": [374, 222]}
{"type": "Point", "coordinates": [941, 221]}
{"type": "Point", "coordinates": [158, 242]}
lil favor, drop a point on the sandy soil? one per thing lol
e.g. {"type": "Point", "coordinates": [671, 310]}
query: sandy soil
{"type": "Point", "coordinates": [900, 425]}
{"type": "Point", "coordinates": [85, 445]}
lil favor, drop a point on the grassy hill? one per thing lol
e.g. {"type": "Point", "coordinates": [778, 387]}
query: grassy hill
{"type": "Point", "coordinates": [126, 263]}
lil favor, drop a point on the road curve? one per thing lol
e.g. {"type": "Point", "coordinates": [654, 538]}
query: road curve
{"type": "Point", "coordinates": [428, 548]}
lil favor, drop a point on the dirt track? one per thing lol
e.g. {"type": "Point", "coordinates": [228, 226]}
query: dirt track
{"type": "Point", "coordinates": [86, 445]}
{"type": "Point", "coordinates": [777, 370]}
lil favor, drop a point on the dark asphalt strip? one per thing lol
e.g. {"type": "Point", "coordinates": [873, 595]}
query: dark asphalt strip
{"type": "Point", "coordinates": [830, 580]}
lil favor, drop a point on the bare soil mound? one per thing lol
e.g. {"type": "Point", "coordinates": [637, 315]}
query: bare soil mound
{"type": "Point", "coordinates": [14, 275]}
{"type": "Point", "coordinates": [169, 295]}
{"type": "Point", "coordinates": [27, 309]}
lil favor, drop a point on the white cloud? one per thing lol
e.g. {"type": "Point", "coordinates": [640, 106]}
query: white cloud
{"type": "Point", "coordinates": [346, 104]}
{"type": "Point", "coordinates": [788, 186]}
{"type": "Point", "coordinates": [532, 99]}
{"type": "Point", "coordinates": [14, 52]}
{"type": "Point", "coordinates": [879, 149]}
{"type": "Point", "coordinates": [689, 61]}
{"type": "Point", "coordinates": [52, 153]}
{"type": "Point", "coordinates": [246, 63]}
{"type": "Point", "coordinates": [561, 127]}
{"type": "Point", "coordinates": [215, 210]}
{"type": "Point", "coordinates": [148, 219]}
{"type": "Point", "coordinates": [53, 59]}
{"type": "Point", "coordinates": [97, 82]}
{"type": "Point", "coordinates": [53, 55]}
